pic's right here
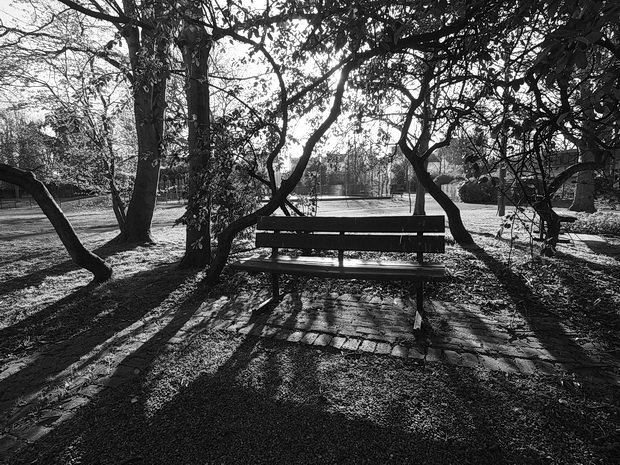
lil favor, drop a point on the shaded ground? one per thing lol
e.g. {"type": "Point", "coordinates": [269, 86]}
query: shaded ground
{"type": "Point", "coordinates": [132, 372]}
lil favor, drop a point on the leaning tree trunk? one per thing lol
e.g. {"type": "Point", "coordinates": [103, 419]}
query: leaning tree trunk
{"type": "Point", "coordinates": [460, 234]}
{"type": "Point", "coordinates": [83, 258]}
{"type": "Point", "coordinates": [195, 45]}
{"type": "Point", "coordinates": [279, 196]}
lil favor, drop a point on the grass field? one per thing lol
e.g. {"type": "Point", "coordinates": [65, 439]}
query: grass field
{"type": "Point", "coordinates": [229, 398]}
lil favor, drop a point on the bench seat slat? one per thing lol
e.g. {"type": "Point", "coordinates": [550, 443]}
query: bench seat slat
{"type": "Point", "coordinates": [417, 223]}
{"type": "Point", "coordinates": [328, 267]}
{"type": "Point", "coordinates": [378, 243]}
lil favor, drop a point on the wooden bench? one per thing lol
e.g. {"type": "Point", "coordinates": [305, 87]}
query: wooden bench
{"type": "Point", "coordinates": [396, 190]}
{"type": "Point", "coordinates": [542, 226]}
{"type": "Point", "coordinates": [395, 234]}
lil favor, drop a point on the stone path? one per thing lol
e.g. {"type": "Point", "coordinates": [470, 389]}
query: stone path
{"type": "Point", "coordinates": [57, 381]}
{"type": "Point", "coordinates": [594, 243]}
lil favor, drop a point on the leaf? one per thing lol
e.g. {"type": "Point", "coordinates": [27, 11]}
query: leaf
{"type": "Point", "coordinates": [485, 56]}
{"type": "Point", "coordinates": [581, 60]}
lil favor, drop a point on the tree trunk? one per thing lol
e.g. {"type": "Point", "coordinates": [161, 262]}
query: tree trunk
{"type": "Point", "coordinates": [583, 201]}
{"type": "Point", "coordinates": [149, 89]}
{"type": "Point", "coordinates": [149, 110]}
{"type": "Point", "coordinates": [546, 213]}
{"type": "Point", "coordinates": [460, 234]}
{"type": "Point", "coordinates": [420, 192]}
{"type": "Point", "coordinates": [501, 195]}
{"type": "Point", "coordinates": [425, 138]}
{"type": "Point", "coordinates": [196, 45]}
{"type": "Point", "coordinates": [118, 206]}
{"type": "Point", "coordinates": [83, 258]}
{"type": "Point", "coordinates": [278, 198]}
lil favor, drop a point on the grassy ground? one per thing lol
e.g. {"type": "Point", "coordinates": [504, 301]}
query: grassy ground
{"type": "Point", "coordinates": [225, 398]}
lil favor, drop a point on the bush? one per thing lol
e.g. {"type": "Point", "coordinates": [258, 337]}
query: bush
{"type": "Point", "coordinates": [442, 179]}
{"type": "Point", "coordinates": [606, 223]}
{"type": "Point", "coordinates": [608, 191]}
{"type": "Point", "coordinates": [477, 192]}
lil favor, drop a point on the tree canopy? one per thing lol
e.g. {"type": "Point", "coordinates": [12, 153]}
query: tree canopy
{"type": "Point", "coordinates": [234, 89]}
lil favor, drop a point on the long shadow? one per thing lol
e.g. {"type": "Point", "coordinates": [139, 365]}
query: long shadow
{"type": "Point", "coordinates": [75, 325]}
{"type": "Point", "coordinates": [598, 309]}
{"type": "Point", "coordinates": [268, 403]}
{"type": "Point", "coordinates": [551, 334]}
{"type": "Point", "coordinates": [34, 279]}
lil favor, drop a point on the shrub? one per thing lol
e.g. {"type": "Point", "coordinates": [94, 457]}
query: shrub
{"type": "Point", "coordinates": [608, 191]}
{"type": "Point", "coordinates": [442, 179]}
{"type": "Point", "coordinates": [477, 192]}
{"type": "Point", "coordinates": [606, 223]}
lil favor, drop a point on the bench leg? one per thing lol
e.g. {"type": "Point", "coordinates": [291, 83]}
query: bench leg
{"type": "Point", "coordinates": [275, 287]}
{"type": "Point", "coordinates": [268, 304]}
{"type": "Point", "coordinates": [419, 315]}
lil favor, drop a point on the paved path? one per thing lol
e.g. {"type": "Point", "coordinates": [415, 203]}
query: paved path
{"type": "Point", "coordinates": [56, 382]}
{"type": "Point", "coordinates": [461, 335]}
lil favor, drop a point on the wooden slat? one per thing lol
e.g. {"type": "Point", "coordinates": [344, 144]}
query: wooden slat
{"type": "Point", "coordinates": [379, 243]}
{"type": "Point", "coordinates": [348, 224]}
{"type": "Point", "coordinates": [328, 267]}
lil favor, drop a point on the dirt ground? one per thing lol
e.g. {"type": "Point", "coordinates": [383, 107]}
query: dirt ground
{"type": "Point", "coordinates": [135, 371]}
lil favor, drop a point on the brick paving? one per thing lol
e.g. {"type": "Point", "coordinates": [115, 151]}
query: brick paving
{"type": "Point", "coordinates": [60, 380]}
{"type": "Point", "coordinates": [462, 335]}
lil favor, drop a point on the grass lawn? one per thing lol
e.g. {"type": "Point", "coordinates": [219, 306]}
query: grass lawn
{"type": "Point", "coordinates": [222, 397]}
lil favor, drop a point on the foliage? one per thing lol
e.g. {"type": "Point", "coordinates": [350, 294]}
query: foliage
{"type": "Point", "coordinates": [513, 75]}
{"type": "Point", "coordinates": [442, 179]}
{"type": "Point", "coordinates": [309, 204]}
{"type": "Point", "coordinates": [477, 192]}
{"type": "Point", "coordinates": [605, 223]}
{"type": "Point", "coordinates": [526, 189]}
{"type": "Point", "coordinates": [403, 174]}
{"type": "Point", "coordinates": [607, 190]}
{"type": "Point", "coordinates": [25, 145]}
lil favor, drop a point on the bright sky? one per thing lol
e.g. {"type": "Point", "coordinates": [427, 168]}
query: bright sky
{"type": "Point", "coordinates": [8, 13]}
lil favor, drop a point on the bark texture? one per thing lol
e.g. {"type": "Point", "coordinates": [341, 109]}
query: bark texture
{"type": "Point", "coordinates": [196, 45]}
{"type": "Point", "coordinates": [458, 230]}
{"type": "Point", "coordinates": [148, 58]}
{"type": "Point", "coordinates": [81, 256]}
{"type": "Point", "coordinates": [583, 201]}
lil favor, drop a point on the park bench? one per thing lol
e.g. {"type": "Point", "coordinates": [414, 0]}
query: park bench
{"type": "Point", "coordinates": [542, 226]}
{"type": "Point", "coordinates": [396, 190]}
{"type": "Point", "coordinates": [395, 234]}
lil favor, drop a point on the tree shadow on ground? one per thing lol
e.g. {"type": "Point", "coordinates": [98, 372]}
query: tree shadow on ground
{"type": "Point", "coordinates": [34, 279]}
{"type": "Point", "coordinates": [595, 296]}
{"type": "Point", "coordinates": [233, 399]}
{"type": "Point", "coordinates": [551, 333]}
{"type": "Point", "coordinates": [72, 327]}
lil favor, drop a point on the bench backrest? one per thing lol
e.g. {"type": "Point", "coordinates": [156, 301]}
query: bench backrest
{"type": "Point", "coordinates": [412, 234]}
